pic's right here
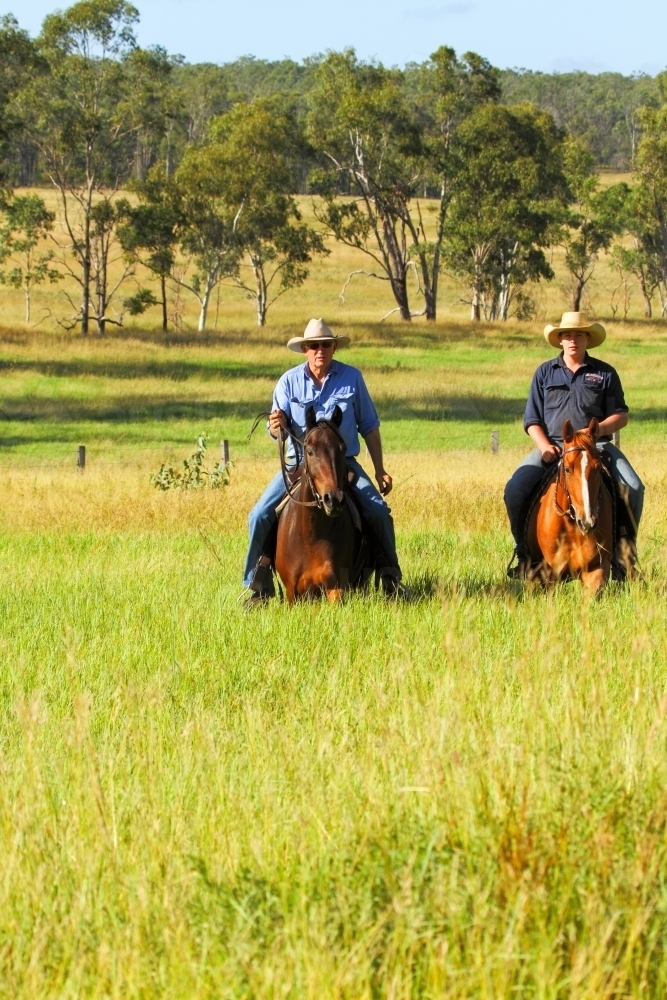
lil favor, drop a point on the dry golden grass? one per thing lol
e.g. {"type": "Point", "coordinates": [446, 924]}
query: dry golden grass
{"type": "Point", "coordinates": [459, 490]}
{"type": "Point", "coordinates": [366, 300]}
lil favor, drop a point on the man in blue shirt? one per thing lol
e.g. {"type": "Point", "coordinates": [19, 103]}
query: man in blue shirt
{"type": "Point", "coordinates": [577, 387]}
{"type": "Point", "coordinates": [323, 383]}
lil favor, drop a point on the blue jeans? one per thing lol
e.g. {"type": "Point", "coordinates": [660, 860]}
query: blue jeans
{"type": "Point", "coordinates": [520, 487]}
{"type": "Point", "coordinates": [263, 517]}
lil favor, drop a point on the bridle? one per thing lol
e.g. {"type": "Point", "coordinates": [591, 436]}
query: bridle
{"type": "Point", "coordinates": [291, 487]}
{"type": "Point", "coordinates": [284, 435]}
{"type": "Point", "coordinates": [561, 482]}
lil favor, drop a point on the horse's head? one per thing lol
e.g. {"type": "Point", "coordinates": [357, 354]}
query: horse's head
{"type": "Point", "coordinates": [325, 460]}
{"type": "Point", "coordinates": [581, 479]}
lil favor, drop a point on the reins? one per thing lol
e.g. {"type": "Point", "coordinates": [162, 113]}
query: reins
{"type": "Point", "coordinates": [317, 502]}
{"type": "Point", "coordinates": [284, 435]}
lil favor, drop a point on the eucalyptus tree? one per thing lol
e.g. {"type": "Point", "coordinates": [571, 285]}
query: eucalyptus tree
{"type": "Point", "coordinates": [386, 141]}
{"type": "Point", "coordinates": [207, 202]}
{"type": "Point", "coordinates": [148, 235]}
{"type": "Point", "coordinates": [448, 90]}
{"type": "Point", "coordinates": [204, 93]}
{"type": "Point", "coordinates": [647, 219]}
{"type": "Point", "coordinates": [262, 144]}
{"type": "Point", "coordinates": [594, 217]}
{"type": "Point", "coordinates": [25, 263]}
{"type": "Point", "coordinates": [237, 220]}
{"type": "Point", "coordinates": [85, 118]}
{"type": "Point", "coordinates": [640, 252]}
{"type": "Point", "coordinates": [602, 109]}
{"type": "Point", "coordinates": [155, 106]}
{"type": "Point", "coordinates": [507, 191]}
{"type": "Point", "coordinates": [371, 149]}
{"type": "Point", "coordinates": [19, 60]}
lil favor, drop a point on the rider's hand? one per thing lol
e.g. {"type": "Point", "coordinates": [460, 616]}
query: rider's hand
{"type": "Point", "coordinates": [385, 482]}
{"type": "Point", "coordinates": [551, 454]}
{"type": "Point", "coordinates": [277, 419]}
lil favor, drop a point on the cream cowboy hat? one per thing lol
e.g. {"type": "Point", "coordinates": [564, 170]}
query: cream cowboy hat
{"type": "Point", "coordinates": [317, 329]}
{"type": "Point", "coordinates": [575, 321]}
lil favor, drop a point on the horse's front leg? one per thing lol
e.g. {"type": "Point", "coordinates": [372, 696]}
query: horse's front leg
{"type": "Point", "coordinates": [335, 581]}
{"type": "Point", "coordinates": [595, 580]}
{"type": "Point", "coordinates": [336, 585]}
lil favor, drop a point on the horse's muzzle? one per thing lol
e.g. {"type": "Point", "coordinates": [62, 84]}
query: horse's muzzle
{"type": "Point", "coordinates": [332, 503]}
{"type": "Point", "coordinates": [587, 526]}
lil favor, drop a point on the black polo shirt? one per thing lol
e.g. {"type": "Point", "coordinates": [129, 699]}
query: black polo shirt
{"type": "Point", "coordinates": [557, 395]}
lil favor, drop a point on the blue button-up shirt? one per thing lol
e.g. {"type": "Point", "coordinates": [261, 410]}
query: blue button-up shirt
{"type": "Point", "coordinates": [557, 395]}
{"type": "Point", "coordinates": [344, 386]}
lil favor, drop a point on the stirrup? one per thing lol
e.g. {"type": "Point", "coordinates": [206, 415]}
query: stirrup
{"type": "Point", "coordinates": [389, 582]}
{"type": "Point", "coordinates": [262, 585]}
{"type": "Point", "coordinates": [523, 564]}
{"type": "Point", "coordinates": [255, 600]}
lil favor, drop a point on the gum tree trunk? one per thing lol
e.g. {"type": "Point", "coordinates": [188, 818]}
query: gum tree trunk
{"type": "Point", "coordinates": [163, 286]}
{"type": "Point", "coordinates": [261, 296]}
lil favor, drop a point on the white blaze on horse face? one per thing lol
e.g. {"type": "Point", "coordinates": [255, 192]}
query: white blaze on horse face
{"type": "Point", "coordinates": [588, 518]}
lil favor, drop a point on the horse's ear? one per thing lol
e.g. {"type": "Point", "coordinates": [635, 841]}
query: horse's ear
{"type": "Point", "coordinates": [568, 432]}
{"type": "Point", "coordinates": [594, 428]}
{"type": "Point", "coordinates": [337, 416]}
{"type": "Point", "coordinates": [311, 419]}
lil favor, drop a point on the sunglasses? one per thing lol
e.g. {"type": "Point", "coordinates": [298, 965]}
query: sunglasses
{"type": "Point", "coordinates": [319, 344]}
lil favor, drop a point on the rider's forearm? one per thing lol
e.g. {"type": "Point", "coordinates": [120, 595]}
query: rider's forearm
{"type": "Point", "coordinates": [539, 437]}
{"type": "Point", "coordinates": [616, 422]}
{"type": "Point", "coordinates": [374, 445]}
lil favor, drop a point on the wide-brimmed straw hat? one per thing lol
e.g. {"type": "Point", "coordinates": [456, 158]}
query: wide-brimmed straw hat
{"type": "Point", "coordinates": [317, 329]}
{"type": "Point", "coordinates": [575, 321]}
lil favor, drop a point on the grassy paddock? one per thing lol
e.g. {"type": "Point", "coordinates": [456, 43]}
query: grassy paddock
{"type": "Point", "coordinates": [458, 797]}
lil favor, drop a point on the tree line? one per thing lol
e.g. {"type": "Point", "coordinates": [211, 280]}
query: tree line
{"type": "Point", "coordinates": [424, 170]}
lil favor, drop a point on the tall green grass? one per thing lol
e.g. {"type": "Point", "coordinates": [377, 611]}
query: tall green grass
{"type": "Point", "coordinates": [460, 796]}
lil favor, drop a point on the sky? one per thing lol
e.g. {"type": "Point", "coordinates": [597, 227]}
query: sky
{"type": "Point", "coordinates": [593, 35]}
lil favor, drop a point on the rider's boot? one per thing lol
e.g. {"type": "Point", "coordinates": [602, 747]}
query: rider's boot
{"type": "Point", "coordinates": [523, 564]}
{"type": "Point", "coordinates": [261, 586]}
{"type": "Point", "coordinates": [624, 563]}
{"type": "Point", "coordinates": [390, 583]}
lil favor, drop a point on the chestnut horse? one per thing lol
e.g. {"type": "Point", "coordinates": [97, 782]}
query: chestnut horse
{"type": "Point", "coordinates": [317, 541]}
{"type": "Point", "coordinates": [571, 527]}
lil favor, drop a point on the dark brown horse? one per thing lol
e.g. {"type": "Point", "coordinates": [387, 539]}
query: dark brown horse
{"type": "Point", "coordinates": [571, 528]}
{"type": "Point", "coordinates": [317, 542]}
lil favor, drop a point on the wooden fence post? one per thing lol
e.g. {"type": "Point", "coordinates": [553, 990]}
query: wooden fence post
{"type": "Point", "coordinates": [495, 441]}
{"type": "Point", "coordinates": [224, 451]}
{"type": "Point", "coordinates": [81, 458]}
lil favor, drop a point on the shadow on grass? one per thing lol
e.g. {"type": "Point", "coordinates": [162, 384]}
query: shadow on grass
{"type": "Point", "coordinates": [365, 334]}
{"type": "Point", "coordinates": [464, 408]}
{"type": "Point", "coordinates": [461, 587]}
{"type": "Point", "coordinates": [428, 585]}
{"type": "Point", "coordinates": [423, 586]}
{"type": "Point", "coordinates": [503, 335]}
{"type": "Point", "coordinates": [129, 409]}
{"type": "Point", "coordinates": [173, 371]}
{"type": "Point", "coordinates": [58, 409]}
{"type": "Point", "coordinates": [493, 410]}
